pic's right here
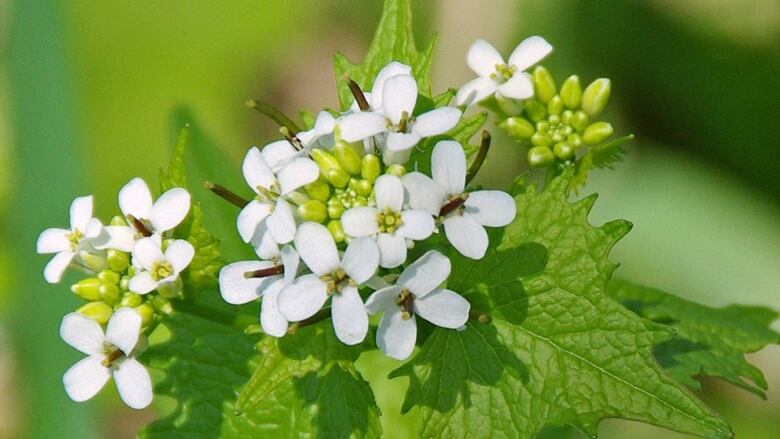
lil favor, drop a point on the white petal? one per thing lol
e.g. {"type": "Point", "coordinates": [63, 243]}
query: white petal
{"type": "Point", "coordinates": [361, 259]}
{"type": "Point", "coordinates": [53, 241]}
{"type": "Point", "coordinates": [94, 231]}
{"type": "Point", "coordinates": [426, 273]}
{"type": "Point", "coordinates": [482, 57]}
{"type": "Point", "coordinates": [394, 68]}
{"type": "Point", "coordinates": [316, 247]}
{"type": "Point", "coordinates": [299, 172]}
{"type": "Point", "coordinates": [416, 224]}
{"type": "Point", "coordinates": [395, 336]}
{"type": "Point", "coordinates": [325, 123]}
{"type": "Point", "coordinates": [85, 379]}
{"type": "Point", "coordinates": [466, 235]}
{"type": "Point", "coordinates": [277, 154]}
{"type": "Point", "coordinates": [133, 383]}
{"type": "Point", "coordinates": [448, 166]}
{"type": "Point", "coordinates": [272, 321]}
{"type": "Point", "coordinates": [475, 91]}
{"type": "Point", "coordinates": [350, 320]}
{"type": "Point", "coordinates": [120, 238]}
{"type": "Point", "coordinates": [236, 289]}
{"type": "Point", "coordinates": [383, 300]}
{"type": "Point", "coordinates": [361, 125]}
{"type": "Point", "coordinates": [397, 157]}
{"type": "Point", "coordinates": [250, 218]}
{"type": "Point", "coordinates": [135, 199]}
{"type": "Point", "coordinates": [491, 208]}
{"type": "Point", "coordinates": [82, 333]}
{"type": "Point", "coordinates": [389, 193]}
{"type": "Point", "coordinates": [290, 262]}
{"type": "Point", "coordinates": [142, 283]}
{"type": "Point", "coordinates": [529, 52]}
{"type": "Point", "coordinates": [423, 193]}
{"type": "Point", "coordinates": [303, 298]}
{"type": "Point", "coordinates": [443, 308]}
{"type": "Point", "coordinates": [376, 283]}
{"type": "Point", "coordinates": [399, 96]}
{"type": "Point", "coordinates": [436, 122]}
{"type": "Point", "coordinates": [264, 244]}
{"type": "Point", "coordinates": [57, 266]}
{"type": "Point", "coordinates": [256, 170]}
{"type": "Point", "coordinates": [392, 250]}
{"type": "Point", "coordinates": [519, 86]}
{"type": "Point", "coordinates": [360, 221]}
{"type": "Point", "coordinates": [402, 141]}
{"type": "Point", "coordinates": [80, 212]}
{"type": "Point", "coordinates": [281, 223]}
{"type": "Point", "coordinates": [146, 253]}
{"type": "Point", "coordinates": [170, 209]}
{"type": "Point", "coordinates": [179, 253]}
{"type": "Point", "coordinates": [123, 329]}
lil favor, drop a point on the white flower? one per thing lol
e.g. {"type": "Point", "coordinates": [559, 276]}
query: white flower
{"type": "Point", "coordinates": [416, 292]}
{"type": "Point", "coordinates": [496, 76]}
{"type": "Point", "coordinates": [145, 216]}
{"type": "Point", "coordinates": [331, 276]}
{"type": "Point", "coordinates": [388, 223]}
{"type": "Point", "coordinates": [273, 174]}
{"type": "Point", "coordinates": [463, 214]}
{"type": "Point", "coordinates": [155, 268]}
{"type": "Point", "coordinates": [108, 355]}
{"type": "Point", "coordinates": [245, 281]}
{"type": "Point", "coordinates": [374, 97]}
{"type": "Point", "coordinates": [84, 235]}
{"type": "Point", "coordinates": [321, 135]}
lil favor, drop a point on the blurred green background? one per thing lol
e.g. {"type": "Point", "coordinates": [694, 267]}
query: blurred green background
{"type": "Point", "coordinates": [86, 89]}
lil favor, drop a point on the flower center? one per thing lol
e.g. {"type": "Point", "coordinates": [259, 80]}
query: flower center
{"type": "Point", "coordinates": [161, 270]}
{"type": "Point", "coordinates": [113, 357]}
{"type": "Point", "coordinates": [74, 238]}
{"type": "Point", "coordinates": [389, 221]}
{"type": "Point", "coordinates": [503, 73]}
{"type": "Point", "coordinates": [557, 128]}
{"type": "Point", "coordinates": [348, 198]}
{"type": "Point", "coordinates": [268, 194]}
{"type": "Point", "coordinates": [455, 204]}
{"type": "Point", "coordinates": [335, 279]}
{"type": "Point", "coordinates": [405, 301]}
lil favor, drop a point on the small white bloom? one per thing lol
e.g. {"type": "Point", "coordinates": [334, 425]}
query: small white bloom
{"type": "Point", "coordinates": [321, 135]}
{"type": "Point", "coordinates": [388, 222]}
{"type": "Point", "coordinates": [155, 268]}
{"type": "Point", "coordinates": [507, 79]}
{"type": "Point", "coordinates": [109, 354]}
{"type": "Point", "coordinates": [245, 281]}
{"type": "Point", "coordinates": [463, 214]}
{"type": "Point", "coordinates": [273, 174]}
{"type": "Point", "coordinates": [374, 97]}
{"type": "Point", "coordinates": [331, 276]}
{"type": "Point", "coordinates": [157, 217]}
{"type": "Point", "coordinates": [417, 292]}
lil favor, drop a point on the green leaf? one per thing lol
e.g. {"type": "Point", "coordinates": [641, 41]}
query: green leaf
{"type": "Point", "coordinates": [558, 349]}
{"type": "Point", "coordinates": [601, 156]}
{"type": "Point", "coordinates": [709, 341]}
{"type": "Point", "coordinates": [393, 41]}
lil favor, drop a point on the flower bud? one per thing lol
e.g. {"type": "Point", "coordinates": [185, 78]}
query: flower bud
{"type": "Point", "coordinates": [337, 177]}
{"type": "Point", "coordinates": [170, 290]}
{"type": "Point", "coordinates": [540, 156]}
{"type": "Point", "coordinates": [555, 106]}
{"type": "Point", "coordinates": [397, 170]}
{"type": "Point", "coordinates": [580, 121]}
{"type": "Point", "coordinates": [509, 106]}
{"type": "Point", "coordinates": [335, 229]}
{"type": "Point", "coordinates": [364, 187]}
{"type": "Point", "coordinates": [124, 283]}
{"type": "Point", "coordinates": [566, 116]}
{"type": "Point", "coordinates": [536, 110]}
{"type": "Point", "coordinates": [540, 139]}
{"type": "Point", "coordinates": [109, 293]}
{"type": "Point", "coordinates": [518, 128]}
{"type": "Point", "coordinates": [131, 299]}
{"type": "Point", "coordinates": [544, 84]}
{"type": "Point", "coordinates": [597, 133]}
{"type": "Point", "coordinates": [313, 210]}
{"type": "Point", "coordinates": [162, 305]}
{"type": "Point", "coordinates": [361, 201]}
{"type": "Point", "coordinates": [335, 210]}
{"type": "Point", "coordinates": [117, 220]}
{"type": "Point", "coordinates": [97, 311]}
{"type": "Point", "coordinates": [596, 96]}
{"type": "Point", "coordinates": [93, 262]}
{"type": "Point", "coordinates": [318, 190]}
{"type": "Point", "coordinates": [574, 140]}
{"type": "Point", "coordinates": [108, 277]}
{"type": "Point", "coordinates": [371, 167]}
{"type": "Point", "coordinates": [87, 289]}
{"type": "Point", "coordinates": [324, 160]}
{"type": "Point", "coordinates": [563, 150]}
{"type": "Point", "coordinates": [571, 92]}
{"type": "Point", "coordinates": [348, 157]}
{"type": "Point", "coordinates": [146, 312]}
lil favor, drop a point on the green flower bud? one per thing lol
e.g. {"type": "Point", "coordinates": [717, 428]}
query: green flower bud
{"type": "Point", "coordinates": [371, 167]}
{"type": "Point", "coordinates": [97, 311]}
{"type": "Point", "coordinates": [544, 84]}
{"type": "Point", "coordinates": [335, 210]}
{"type": "Point", "coordinates": [118, 221]}
{"type": "Point", "coordinates": [361, 201]}
{"type": "Point", "coordinates": [509, 106]}
{"type": "Point", "coordinates": [571, 92]}
{"type": "Point", "coordinates": [109, 293]}
{"type": "Point", "coordinates": [518, 127]}
{"type": "Point", "coordinates": [337, 177]}
{"type": "Point", "coordinates": [580, 121]}
{"type": "Point", "coordinates": [87, 289]}
{"type": "Point", "coordinates": [563, 150]}
{"type": "Point", "coordinates": [324, 160]}
{"type": "Point", "coordinates": [397, 170]}
{"type": "Point", "coordinates": [313, 210]}
{"type": "Point", "coordinates": [539, 139]}
{"type": "Point", "coordinates": [555, 106]}
{"type": "Point", "coordinates": [146, 311]}
{"type": "Point", "coordinates": [596, 96]}
{"type": "Point", "coordinates": [335, 229]}
{"type": "Point", "coordinates": [543, 126]}
{"type": "Point", "coordinates": [298, 197]}
{"type": "Point", "coordinates": [124, 283]}
{"type": "Point", "coordinates": [170, 290]}
{"type": "Point", "coordinates": [554, 119]}
{"type": "Point", "coordinates": [348, 157]}
{"type": "Point", "coordinates": [536, 110]}
{"type": "Point", "coordinates": [109, 277]}
{"type": "Point", "coordinates": [162, 305]}
{"type": "Point", "coordinates": [318, 190]}
{"type": "Point", "coordinates": [364, 187]}
{"type": "Point", "coordinates": [574, 140]}
{"type": "Point", "coordinates": [93, 262]}
{"type": "Point", "coordinates": [540, 156]}
{"type": "Point", "coordinates": [597, 133]}
{"type": "Point", "coordinates": [131, 299]}
{"type": "Point", "coordinates": [566, 116]}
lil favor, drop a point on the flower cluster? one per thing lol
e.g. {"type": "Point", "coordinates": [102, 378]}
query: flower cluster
{"type": "Point", "coordinates": [133, 270]}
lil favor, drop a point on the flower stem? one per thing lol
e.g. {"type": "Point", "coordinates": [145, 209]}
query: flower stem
{"type": "Point", "coordinates": [484, 146]}
{"type": "Point", "coordinates": [225, 193]}
{"type": "Point", "coordinates": [360, 98]}
{"type": "Point", "coordinates": [273, 114]}
{"type": "Point", "coordinates": [316, 318]}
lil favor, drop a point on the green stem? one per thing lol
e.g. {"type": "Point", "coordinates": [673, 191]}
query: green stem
{"type": "Point", "coordinates": [273, 114]}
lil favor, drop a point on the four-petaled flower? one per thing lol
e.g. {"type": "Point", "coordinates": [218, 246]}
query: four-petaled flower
{"type": "Point", "coordinates": [504, 79]}
{"type": "Point", "coordinates": [148, 218]}
{"type": "Point", "coordinates": [155, 268]}
{"type": "Point", "coordinates": [463, 214]}
{"type": "Point", "coordinates": [109, 354]}
{"type": "Point", "coordinates": [388, 222]}
{"type": "Point", "coordinates": [417, 292]}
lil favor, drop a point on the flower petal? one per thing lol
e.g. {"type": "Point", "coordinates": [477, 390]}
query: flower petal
{"type": "Point", "coordinates": [134, 384]}
{"type": "Point", "coordinates": [170, 209]}
{"type": "Point", "coordinates": [416, 224]}
{"type": "Point", "coordinates": [303, 298]}
{"type": "Point", "coordinates": [401, 141]}
{"type": "Point", "coordinates": [398, 97]}
{"type": "Point", "coordinates": [82, 333]}
{"type": "Point", "coordinates": [519, 86]}
{"type": "Point", "coordinates": [350, 320]}
{"type": "Point", "coordinates": [436, 122]}
{"type": "Point", "coordinates": [146, 253]}
{"type": "Point", "coordinates": [475, 91]}
{"type": "Point", "coordinates": [426, 273]}
{"type": "Point", "coordinates": [256, 171]}
{"type": "Point", "coordinates": [277, 154]}
{"type": "Point", "coordinates": [423, 193]}
{"type": "Point", "coordinates": [361, 125]}
{"type": "Point", "coordinates": [271, 320]}
{"type": "Point", "coordinates": [135, 199]}
{"type": "Point", "coordinates": [236, 289]}
{"type": "Point", "coordinates": [142, 283]}
{"type": "Point", "coordinates": [397, 157]}
{"type": "Point", "coordinates": [80, 212]}
{"type": "Point", "coordinates": [299, 172]}
{"type": "Point", "coordinates": [290, 262]}
{"type": "Point", "coordinates": [85, 379]}
{"type": "Point", "coordinates": [120, 238]}
{"type": "Point", "coordinates": [529, 52]}
{"type": "Point", "coordinates": [123, 329]}
{"type": "Point", "coordinates": [179, 253]}
{"type": "Point", "coordinates": [395, 336]}
{"type": "Point", "coordinates": [264, 244]}
{"type": "Point", "coordinates": [281, 223]}
{"type": "Point", "coordinates": [250, 218]}
{"type": "Point", "coordinates": [57, 266]}
{"type": "Point", "coordinates": [443, 308]}
{"type": "Point", "coordinates": [360, 221]}
{"type": "Point", "coordinates": [392, 250]}
{"type": "Point", "coordinates": [466, 235]}
{"type": "Point", "coordinates": [448, 166]}
{"type": "Point", "coordinates": [383, 299]}
{"type": "Point", "coordinates": [482, 57]}
{"type": "Point", "coordinates": [389, 193]}
{"type": "Point", "coordinates": [316, 247]}
{"type": "Point", "coordinates": [491, 208]}
{"type": "Point", "coordinates": [394, 68]}
{"type": "Point", "coordinates": [53, 241]}
{"type": "Point", "coordinates": [361, 259]}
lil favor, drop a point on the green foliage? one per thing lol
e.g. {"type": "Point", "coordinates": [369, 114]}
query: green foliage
{"type": "Point", "coordinates": [709, 341]}
{"type": "Point", "coordinates": [601, 156]}
{"type": "Point", "coordinates": [420, 159]}
{"type": "Point", "coordinates": [558, 350]}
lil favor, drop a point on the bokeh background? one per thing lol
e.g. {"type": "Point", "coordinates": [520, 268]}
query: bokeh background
{"type": "Point", "coordinates": [87, 88]}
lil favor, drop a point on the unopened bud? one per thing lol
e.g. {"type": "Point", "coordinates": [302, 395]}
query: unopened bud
{"type": "Point", "coordinates": [536, 110]}
{"type": "Point", "coordinates": [555, 106]}
{"type": "Point", "coordinates": [574, 140]}
{"type": "Point", "coordinates": [117, 220]}
{"type": "Point", "coordinates": [540, 156]}
{"type": "Point", "coordinates": [124, 283]}
{"type": "Point", "coordinates": [370, 168]}
{"type": "Point", "coordinates": [132, 300]}
{"type": "Point", "coordinates": [109, 293]}
{"type": "Point", "coordinates": [566, 116]}
{"type": "Point", "coordinates": [87, 289]}
{"type": "Point", "coordinates": [171, 289]}
{"type": "Point", "coordinates": [93, 262]}
{"type": "Point", "coordinates": [596, 96]}
{"type": "Point", "coordinates": [518, 128]}
{"type": "Point", "coordinates": [324, 160]}
{"type": "Point", "coordinates": [146, 311]}
{"type": "Point", "coordinates": [108, 277]}
{"type": "Point", "coordinates": [597, 133]}
{"type": "Point", "coordinates": [397, 170]}
{"type": "Point", "coordinates": [335, 229]}
{"type": "Point", "coordinates": [364, 187]}
{"type": "Point", "coordinates": [162, 305]}
{"type": "Point", "coordinates": [348, 157]}
{"type": "Point", "coordinates": [563, 150]}
{"type": "Point", "coordinates": [361, 201]}
{"type": "Point", "coordinates": [571, 92]}
{"type": "Point", "coordinates": [313, 210]}
{"type": "Point", "coordinates": [337, 177]}
{"type": "Point", "coordinates": [509, 106]}
{"type": "Point", "coordinates": [540, 139]}
{"type": "Point", "coordinates": [544, 84]}
{"type": "Point", "coordinates": [580, 121]}
{"type": "Point", "coordinates": [318, 190]}
{"type": "Point", "coordinates": [97, 311]}
{"type": "Point", "coordinates": [335, 210]}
